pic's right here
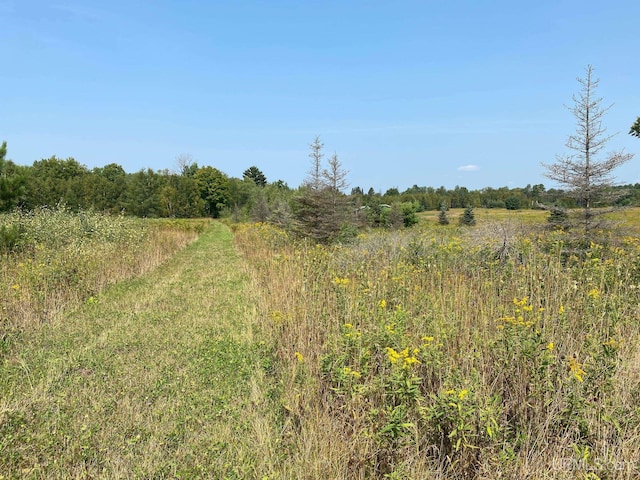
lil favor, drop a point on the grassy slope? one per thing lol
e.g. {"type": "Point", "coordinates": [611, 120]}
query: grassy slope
{"type": "Point", "coordinates": [160, 377]}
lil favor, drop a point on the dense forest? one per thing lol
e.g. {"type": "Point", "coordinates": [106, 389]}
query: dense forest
{"type": "Point", "coordinates": [196, 191]}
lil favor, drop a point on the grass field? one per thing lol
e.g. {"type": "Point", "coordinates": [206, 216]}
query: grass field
{"type": "Point", "coordinates": [434, 352]}
{"type": "Point", "coordinates": [160, 376]}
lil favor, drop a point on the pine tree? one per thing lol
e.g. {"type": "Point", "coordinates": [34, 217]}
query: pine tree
{"type": "Point", "coordinates": [322, 209]}
{"type": "Point", "coordinates": [588, 178]}
{"type": "Point", "coordinates": [635, 128]}
{"type": "Point", "coordinates": [12, 184]}
{"type": "Point", "coordinates": [254, 173]}
{"type": "Point", "coordinates": [468, 218]}
{"type": "Point", "coordinates": [443, 218]}
{"type": "Point", "coordinates": [558, 217]}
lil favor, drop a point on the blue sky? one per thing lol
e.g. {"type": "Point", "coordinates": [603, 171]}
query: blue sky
{"type": "Point", "coordinates": [432, 93]}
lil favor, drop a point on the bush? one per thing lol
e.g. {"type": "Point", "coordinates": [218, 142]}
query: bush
{"type": "Point", "coordinates": [9, 238]}
{"type": "Point", "coordinates": [512, 203]}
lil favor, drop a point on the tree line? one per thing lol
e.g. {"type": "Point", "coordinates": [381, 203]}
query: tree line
{"type": "Point", "coordinates": [320, 208]}
{"type": "Point", "coordinates": [196, 191]}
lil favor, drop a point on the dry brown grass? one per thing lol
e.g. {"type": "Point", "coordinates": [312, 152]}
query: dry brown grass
{"type": "Point", "coordinates": [517, 366]}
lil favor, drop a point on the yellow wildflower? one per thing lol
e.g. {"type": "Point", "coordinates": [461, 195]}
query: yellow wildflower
{"type": "Point", "coordinates": [383, 303]}
{"type": "Point", "coordinates": [520, 303]}
{"type": "Point", "coordinates": [408, 361]}
{"type": "Point", "coordinates": [612, 343]}
{"type": "Point", "coordinates": [352, 373]}
{"type": "Point", "coordinates": [576, 369]}
{"type": "Point", "coordinates": [594, 293]}
{"type": "Point", "coordinates": [299, 357]}
{"type": "Point", "coordinates": [462, 394]}
{"type": "Point", "coordinates": [550, 346]}
{"type": "Point", "coordinates": [392, 355]}
{"type": "Point", "coordinates": [561, 310]}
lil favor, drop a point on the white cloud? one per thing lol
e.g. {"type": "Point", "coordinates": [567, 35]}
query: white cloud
{"type": "Point", "coordinates": [468, 168]}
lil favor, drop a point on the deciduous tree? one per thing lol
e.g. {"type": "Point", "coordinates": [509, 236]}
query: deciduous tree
{"type": "Point", "coordinates": [214, 189]}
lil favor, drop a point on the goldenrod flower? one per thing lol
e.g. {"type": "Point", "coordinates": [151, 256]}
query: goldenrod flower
{"type": "Point", "coordinates": [351, 373]}
{"type": "Point", "coordinates": [392, 355]}
{"type": "Point", "coordinates": [576, 369]}
{"type": "Point", "coordinates": [408, 361]}
{"type": "Point", "coordinates": [612, 343]}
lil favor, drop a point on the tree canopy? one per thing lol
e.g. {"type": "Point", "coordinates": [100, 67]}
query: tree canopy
{"type": "Point", "coordinates": [254, 173]}
{"type": "Point", "coordinates": [11, 181]}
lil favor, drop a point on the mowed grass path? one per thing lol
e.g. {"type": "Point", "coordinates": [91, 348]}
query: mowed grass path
{"type": "Point", "coordinates": [160, 377]}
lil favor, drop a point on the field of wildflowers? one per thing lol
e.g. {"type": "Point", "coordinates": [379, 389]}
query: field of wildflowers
{"type": "Point", "coordinates": [430, 353]}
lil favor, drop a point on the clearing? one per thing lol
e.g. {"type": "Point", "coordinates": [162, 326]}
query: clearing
{"type": "Point", "coordinates": [159, 377]}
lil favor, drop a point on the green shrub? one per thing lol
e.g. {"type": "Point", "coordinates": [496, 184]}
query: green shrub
{"type": "Point", "coordinates": [10, 236]}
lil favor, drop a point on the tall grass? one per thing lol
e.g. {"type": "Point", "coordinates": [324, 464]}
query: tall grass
{"type": "Point", "coordinates": [433, 354]}
{"type": "Point", "coordinates": [53, 258]}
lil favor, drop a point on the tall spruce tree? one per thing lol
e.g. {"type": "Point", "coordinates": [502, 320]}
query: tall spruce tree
{"type": "Point", "coordinates": [468, 218]}
{"type": "Point", "coordinates": [254, 173]}
{"type": "Point", "coordinates": [587, 177]}
{"type": "Point", "coordinates": [443, 218]}
{"type": "Point", "coordinates": [322, 208]}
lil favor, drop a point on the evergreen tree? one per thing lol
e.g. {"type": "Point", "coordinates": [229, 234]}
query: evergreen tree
{"type": "Point", "coordinates": [254, 173]}
{"type": "Point", "coordinates": [321, 210]}
{"type": "Point", "coordinates": [443, 218]}
{"type": "Point", "coordinates": [558, 217]}
{"type": "Point", "coordinates": [468, 218]}
{"type": "Point", "coordinates": [635, 128]}
{"type": "Point", "coordinates": [512, 203]}
{"type": "Point", "coordinates": [588, 178]}
{"type": "Point", "coordinates": [11, 181]}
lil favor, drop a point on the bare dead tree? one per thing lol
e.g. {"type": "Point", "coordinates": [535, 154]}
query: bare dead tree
{"type": "Point", "coordinates": [314, 178]}
{"type": "Point", "coordinates": [186, 164]}
{"type": "Point", "coordinates": [588, 177]}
